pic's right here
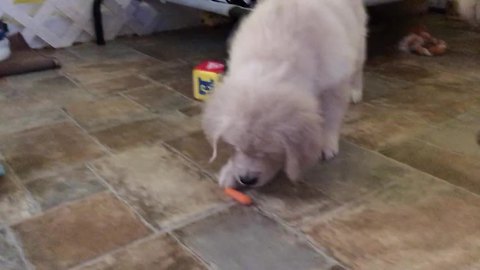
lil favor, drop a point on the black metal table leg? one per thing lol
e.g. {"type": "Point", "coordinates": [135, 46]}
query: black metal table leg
{"type": "Point", "coordinates": [97, 19]}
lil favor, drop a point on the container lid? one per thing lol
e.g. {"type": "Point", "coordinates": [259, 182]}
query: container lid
{"type": "Point", "coordinates": [212, 66]}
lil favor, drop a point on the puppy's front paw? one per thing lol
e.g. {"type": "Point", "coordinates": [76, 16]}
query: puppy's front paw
{"type": "Point", "coordinates": [356, 96]}
{"type": "Point", "coordinates": [226, 177]}
{"type": "Point", "coordinates": [328, 154]}
{"type": "Point", "coordinates": [330, 149]}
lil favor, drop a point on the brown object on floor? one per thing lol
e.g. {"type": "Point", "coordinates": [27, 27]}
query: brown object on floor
{"type": "Point", "coordinates": [24, 59]}
{"type": "Point", "coordinates": [420, 42]}
{"type": "Point", "coordinates": [390, 22]}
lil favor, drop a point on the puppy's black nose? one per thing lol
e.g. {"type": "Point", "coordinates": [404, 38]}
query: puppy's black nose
{"type": "Point", "coordinates": [248, 180]}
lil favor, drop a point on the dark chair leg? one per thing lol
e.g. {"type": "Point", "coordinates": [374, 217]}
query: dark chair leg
{"type": "Point", "coordinates": [97, 18]}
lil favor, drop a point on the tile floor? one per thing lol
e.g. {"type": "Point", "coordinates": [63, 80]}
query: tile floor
{"type": "Point", "coordinates": [107, 168]}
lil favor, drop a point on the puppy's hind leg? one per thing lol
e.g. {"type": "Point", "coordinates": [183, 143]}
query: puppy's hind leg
{"type": "Point", "coordinates": [356, 81]}
{"type": "Point", "coordinates": [356, 86]}
{"type": "Point", "coordinates": [334, 103]}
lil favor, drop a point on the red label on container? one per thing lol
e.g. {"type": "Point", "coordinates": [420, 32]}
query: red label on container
{"type": "Point", "coordinates": [211, 66]}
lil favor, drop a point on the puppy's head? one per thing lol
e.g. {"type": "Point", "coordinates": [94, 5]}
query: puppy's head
{"type": "Point", "coordinates": [269, 130]}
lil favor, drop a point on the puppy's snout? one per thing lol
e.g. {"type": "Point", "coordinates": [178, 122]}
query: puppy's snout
{"type": "Point", "coordinates": [248, 180]}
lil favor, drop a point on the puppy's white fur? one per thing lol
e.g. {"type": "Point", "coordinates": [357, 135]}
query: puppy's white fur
{"type": "Point", "coordinates": [470, 11]}
{"type": "Point", "coordinates": [294, 65]}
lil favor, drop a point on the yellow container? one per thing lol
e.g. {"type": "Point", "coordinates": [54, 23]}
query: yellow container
{"type": "Point", "coordinates": [206, 76]}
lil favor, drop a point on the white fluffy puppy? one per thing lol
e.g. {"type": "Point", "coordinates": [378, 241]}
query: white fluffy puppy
{"type": "Point", "coordinates": [470, 11]}
{"type": "Point", "coordinates": [294, 65]}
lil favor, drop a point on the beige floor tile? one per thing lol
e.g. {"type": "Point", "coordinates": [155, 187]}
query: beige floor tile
{"type": "Point", "coordinates": [40, 151]}
{"type": "Point", "coordinates": [417, 223]}
{"type": "Point", "coordinates": [162, 186]}
{"type": "Point", "coordinates": [159, 253]}
{"type": "Point", "coordinates": [107, 112]}
{"type": "Point", "coordinates": [78, 232]}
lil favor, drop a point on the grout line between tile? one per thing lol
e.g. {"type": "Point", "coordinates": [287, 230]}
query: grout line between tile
{"type": "Point", "coordinates": [68, 75]}
{"type": "Point", "coordinates": [302, 236]}
{"type": "Point", "coordinates": [36, 206]}
{"type": "Point", "coordinates": [413, 168]}
{"type": "Point", "coordinates": [140, 52]}
{"type": "Point", "coordinates": [156, 233]}
{"type": "Point", "coordinates": [57, 171]}
{"type": "Point", "coordinates": [122, 94]}
{"type": "Point", "coordinates": [183, 222]}
{"type": "Point", "coordinates": [18, 246]}
{"type": "Point", "coordinates": [193, 218]}
{"type": "Point", "coordinates": [137, 242]}
{"type": "Point", "coordinates": [104, 148]}
{"type": "Point", "coordinates": [73, 80]}
{"type": "Point", "coordinates": [115, 250]}
{"type": "Point", "coordinates": [119, 197]}
{"type": "Point", "coordinates": [458, 154]}
{"type": "Point", "coordinates": [283, 223]}
{"type": "Point", "coordinates": [191, 251]}
{"type": "Point", "coordinates": [173, 89]}
{"type": "Point", "coordinates": [54, 208]}
{"type": "Point", "coordinates": [157, 83]}
{"type": "Point", "coordinates": [197, 166]}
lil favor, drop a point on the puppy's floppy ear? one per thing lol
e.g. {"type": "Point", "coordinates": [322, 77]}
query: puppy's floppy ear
{"type": "Point", "coordinates": [302, 142]}
{"type": "Point", "coordinates": [214, 137]}
{"type": "Point", "coordinates": [214, 123]}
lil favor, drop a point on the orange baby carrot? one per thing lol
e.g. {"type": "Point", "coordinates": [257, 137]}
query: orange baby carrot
{"type": "Point", "coordinates": [238, 196]}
